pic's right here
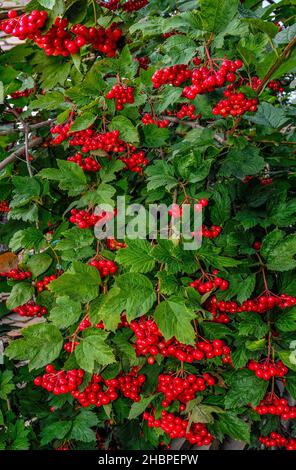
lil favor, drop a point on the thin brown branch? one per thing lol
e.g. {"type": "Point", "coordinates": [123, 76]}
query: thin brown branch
{"type": "Point", "coordinates": [20, 152]}
{"type": "Point", "coordinates": [276, 65]}
{"type": "Point", "coordinates": [195, 125]}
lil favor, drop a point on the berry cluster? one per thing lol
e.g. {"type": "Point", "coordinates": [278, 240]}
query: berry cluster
{"type": "Point", "coordinates": [208, 286]}
{"type": "Point", "coordinates": [265, 181]}
{"type": "Point", "coordinates": [22, 94]}
{"type": "Point", "coordinates": [176, 427]}
{"type": "Point", "coordinates": [184, 390]}
{"type": "Point", "coordinates": [30, 309]}
{"type": "Point", "coordinates": [235, 104]}
{"type": "Point", "coordinates": [44, 283]}
{"type": "Point", "coordinates": [186, 110]}
{"type": "Point", "coordinates": [4, 206]}
{"type": "Point", "coordinates": [206, 79]}
{"type": "Point", "coordinates": [211, 232]}
{"type": "Point", "coordinates": [86, 323]}
{"type": "Point", "coordinates": [135, 162]}
{"type": "Point", "coordinates": [175, 75]}
{"type": "Point", "coordinates": [101, 392]}
{"type": "Point", "coordinates": [86, 163]}
{"type": "Point", "coordinates": [114, 245]}
{"type": "Point", "coordinates": [134, 5]}
{"type": "Point", "coordinates": [276, 406]}
{"type": "Point", "coordinates": [148, 119]}
{"type": "Point", "coordinates": [86, 219]}
{"type": "Point", "coordinates": [104, 266]}
{"type": "Point", "coordinates": [92, 140]}
{"type": "Point", "coordinates": [60, 382]}
{"type": "Point", "coordinates": [277, 440]}
{"type": "Point", "coordinates": [70, 346]}
{"type": "Point", "coordinates": [16, 275]}
{"type": "Point", "coordinates": [26, 26]}
{"type": "Point", "coordinates": [59, 41]}
{"type": "Point", "coordinates": [275, 86]}
{"type": "Point", "coordinates": [111, 5]}
{"type": "Point", "coordinates": [268, 369]}
{"type": "Point", "coordinates": [260, 304]}
{"type": "Point", "coordinates": [143, 62]}
{"type": "Point", "coordinates": [122, 95]}
{"type": "Point", "coordinates": [149, 341]}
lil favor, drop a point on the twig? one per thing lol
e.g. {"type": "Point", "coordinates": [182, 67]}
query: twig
{"type": "Point", "coordinates": [12, 129]}
{"type": "Point", "coordinates": [27, 151]}
{"type": "Point", "coordinates": [194, 125]}
{"type": "Point", "coordinates": [276, 65]}
{"type": "Point", "coordinates": [18, 153]}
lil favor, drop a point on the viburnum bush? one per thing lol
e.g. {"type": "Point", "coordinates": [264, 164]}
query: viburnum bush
{"type": "Point", "coordinates": [131, 343]}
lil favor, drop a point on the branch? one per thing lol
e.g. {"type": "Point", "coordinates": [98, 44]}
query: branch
{"type": "Point", "coordinates": [276, 65]}
{"type": "Point", "coordinates": [12, 129]}
{"type": "Point", "coordinates": [27, 151]}
{"type": "Point", "coordinates": [194, 125]}
{"type": "Point", "coordinates": [20, 152]}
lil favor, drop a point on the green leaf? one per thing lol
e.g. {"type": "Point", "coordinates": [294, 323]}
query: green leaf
{"type": "Point", "coordinates": [26, 190]}
{"type": "Point", "coordinates": [270, 241]}
{"type": "Point", "coordinates": [286, 35]}
{"type": "Point", "coordinates": [40, 345]}
{"type": "Point", "coordinates": [242, 162]}
{"type": "Point", "coordinates": [132, 293]}
{"type": "Point", "coordinates": [138, 408]}
{"type": "Point", "coordinates": [173, 318]}
{"type": "Point", "coordinates": [287, 320]}
{"type": "Point", "coordinates": [127, 130]}
{"type": "Point", "coordinates": [136, 256]}
{"type": "Point", "coordinates": [245, 388]}
{"type": "Point", "coordinates": [289, 359]}
{"type": "Point", "coordinates": [281, 257]}
{"type": "Point", "coordinates": [216, 14]}
{"type": "Point", "coordinates": [252, 324]}
{"type": "Point", "coordinates": [28, 238]}
{"type": "Point", "coordinates": [246, 288]}
{"type": "Point", "coordinates": [269, 116]}
{"type": "Point", "coordinates": [291, 385]}
{"type": "Point", "coordinates": [6, 384]}
{"type": "Point", "coordinates": [82, 424]}
{"type": "Point", "coordinates": [21, 293]}
{"type": "Point", "coordinates": [80, 283]}
{"type": "Point", "coordinates": [154, 136]}
{"type": "Point", "coordinates": [48, 101]}
{"type": "Point", "coordinates": [161, 174]}
{"type": "Point", "coordinates": [39, 263]}
{"type": "Point", "coordinates": [93, 350]}
{"type": "Point", "coordinates": [84, 121]}
{"type": "Point", "coordinates": [69, 175]}
{"type": "Point", "coordinates": [66, 312]}
{"type": "Point", "coordinates": [53, 431]}
{"type": "Point", "coordinates": [233, 426]}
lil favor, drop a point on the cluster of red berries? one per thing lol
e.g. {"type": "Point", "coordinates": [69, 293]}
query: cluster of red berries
{"type": "Point", "coordinates": [86, 219]}
{"type": "Point", "coordinates": [4, 206]}
{"type": "Point", "coordinates": [143, 62]}
{"type": "Point", "coordinates": [30, 309]}
{"type": "Point", "coordinates": [274, 85]}
{"type": "Point", "coordinates": [92, 140]}
{"type": "Point", "coordinates": [44, 283]}
{"type": "Point", "coordinates": [175, 75]}
{"type": "Point", "coordinates": [276, 406]}
{"type": "Point", "coordinates": [26, 26]}
{"type": "Point", "coordinates": [235, 104]}
{"type": "Point", "coordinates": [135, 162]}
{"type": "Point", "coordinates": [22, 94]}
{"type": "Point", "coordinates": [16, 275]}
{"type": "Point", "coordinates": [150, 341]}
{"type": "Point", "coordinates": [186, 110]}
{"type": "Point", "coordinates": [70, 346]}
{"type": "Point", "coordinates": [208, 286]}
{"type": "Point", "coordinates": [114, 245]}
{"type": "Point", "coordinates": [211, 232]}
{"type": "Point", "coordinates": [134, 5]}
{"type": "Point", "coordinates": [60, 382]}
{"type": "Point", "coordinates": [101, 392]}
{"type": "Point", "coordinates": [265, 181]}
{"type": "Point", "coordinates": [122, 95]}
{"type": "Point", "coordinates": [86, 323]}
{"type": "Point", "coordinates": [268, 369]}
{"type": "Point", "coordinates": [176, 388]}
{"type": "Point", "coordinates": [176, 427]}
{"type": "Point", "coordinates": [104, 266]}
{"type": "Point", "coordinates": [129, 5]}
{"type": "Point", "coordinates": [148, 119]}
{"type": "Point", "coordinates": [206, 79]}
{"type": "Point", "coordinates": [101, 39]}
{"type": "Point", "coordinates": [277, 440]}
{"type": "Point", "coordinates": [86, 163]}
